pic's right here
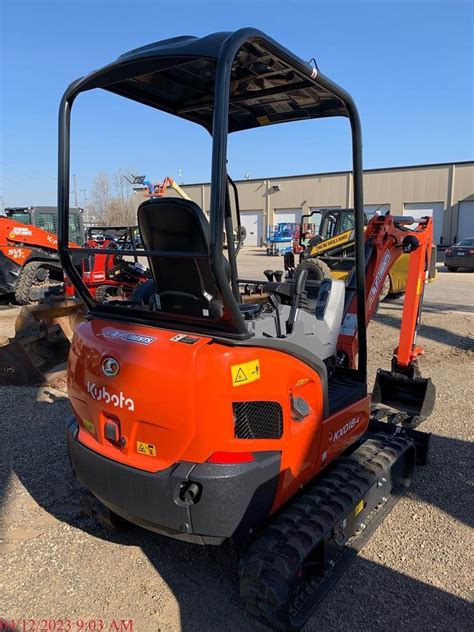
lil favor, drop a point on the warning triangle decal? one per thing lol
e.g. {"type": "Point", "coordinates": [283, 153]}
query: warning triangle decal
{"type": "Point", "coordinates": [240, 377]}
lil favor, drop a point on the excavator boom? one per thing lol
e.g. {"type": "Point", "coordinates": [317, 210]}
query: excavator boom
{"type": "Point", "coordinates": [386, 239]}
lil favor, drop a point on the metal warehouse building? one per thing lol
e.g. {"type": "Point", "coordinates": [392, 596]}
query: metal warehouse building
{"type": "Point", "coordinates": [444, 191]}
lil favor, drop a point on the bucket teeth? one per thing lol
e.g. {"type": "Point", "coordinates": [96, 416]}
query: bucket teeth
{"type": "Point", "coordinates": [409, 399]}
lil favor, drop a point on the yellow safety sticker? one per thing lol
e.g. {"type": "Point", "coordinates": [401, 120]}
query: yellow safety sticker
{"type": "Point", "coordinates": [245, 373]}
{"type": "Point", "coordinates": [419, 286]}
{"type": "Point", "coordinates": [301, 382]}
{"type": "Point", "coordinates": [146, 448]}
{"type": "Point", "coordinates": [263, 120]}
{"type": "Point", "coordinates": [359, 507]}
{"type": "Point", "coordinates": [89, 426]}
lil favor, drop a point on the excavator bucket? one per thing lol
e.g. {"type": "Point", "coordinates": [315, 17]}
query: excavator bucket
{"type": "Point", "coordinates": [38, 352]}
{"type": "Point", "coordinates": [411, 398]}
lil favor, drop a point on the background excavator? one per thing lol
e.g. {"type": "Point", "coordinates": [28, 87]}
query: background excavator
{"type": "Point", "coordinates": [207, 419]}
{"type": "Point", "coordinates": [325, 247]}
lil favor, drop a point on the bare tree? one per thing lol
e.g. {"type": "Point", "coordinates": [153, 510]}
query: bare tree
{"type": "Point", "coordinates": [112, 199]}
{"type": "Point", "coordinates": [100, 196]}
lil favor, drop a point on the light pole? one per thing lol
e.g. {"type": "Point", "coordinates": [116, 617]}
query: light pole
{"type": "Point", "coordinates": [85, 204]}
{"type": "Point", "coordinates": [75, 190]}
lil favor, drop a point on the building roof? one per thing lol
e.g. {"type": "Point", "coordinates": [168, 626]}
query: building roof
{"type": "Point", "coordinates": [338, 173]}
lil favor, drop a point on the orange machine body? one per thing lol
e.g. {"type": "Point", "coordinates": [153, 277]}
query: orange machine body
{"type": "Point", "coordinates": [15, 234]}
{"type": "Point", "coordinates": [21, 243]}
{"type": "Point", "coordinates": [172, 400]}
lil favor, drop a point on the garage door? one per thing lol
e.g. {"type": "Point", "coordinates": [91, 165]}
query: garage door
{"type": "Point", "coordinates": [465, 220]}
{"type": "Point", "coordinates": [432, 209]}
{"type": "Point", "coordinates": [253, 224]}
{"type": "Point", "coordinates": [288, 215]}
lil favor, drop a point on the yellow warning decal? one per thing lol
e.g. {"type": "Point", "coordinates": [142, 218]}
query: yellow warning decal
{"type": "Point", "coordinates": [263, 120]}
{"type": "Point", "coordinates": [359, 507]}
{"type": "Point", "coordinates": [419, 286]}
{"type": "Point", "coordinates": [302, 382]}
{"type": "Point", "coordinates": [146, 448]}
{"type": "Point", "coordinates": [89, 426]}
{"type": "Point", "coordinates": [245, 373]}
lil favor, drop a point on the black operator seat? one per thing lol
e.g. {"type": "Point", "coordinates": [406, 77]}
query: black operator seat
{"type": "Point", "coordinates": [181, 284]}
{"type": "Point", "coordinates": [184, 284]}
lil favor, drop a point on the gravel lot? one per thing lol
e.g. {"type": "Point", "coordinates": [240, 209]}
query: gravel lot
{"type": "Point", "coordinates": [415, 573]}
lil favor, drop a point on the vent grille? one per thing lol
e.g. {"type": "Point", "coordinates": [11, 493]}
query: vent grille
{"type": "Point", "coordinates": [257, 420]}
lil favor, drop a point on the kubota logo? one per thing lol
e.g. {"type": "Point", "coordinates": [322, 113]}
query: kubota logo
{"type": "Point", "coordinates": [110, 367]}
{"type": "Point", "coordinates": [52, 240]}
{"type": "Point", "coordinates": [335, 436]}
{"type": "Point", "coordinates": [101, 394]}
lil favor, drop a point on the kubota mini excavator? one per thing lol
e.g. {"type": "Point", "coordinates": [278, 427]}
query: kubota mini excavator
{"type": "Point", "coordinates": [204, 418]}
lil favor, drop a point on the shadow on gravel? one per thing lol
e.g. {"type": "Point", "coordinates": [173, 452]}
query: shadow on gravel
{"type": "Point", "coordinates": [438, 334]}
{"type": "Point", "coordinates": [395, 304]}
{"type": "Point", "coordinates": [204, 580]}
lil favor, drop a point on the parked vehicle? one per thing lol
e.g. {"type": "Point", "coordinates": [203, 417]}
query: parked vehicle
{"type": "Point", "coordinates": [280, 238]}
{"type": "Point", "coordinates": [461, 255]}
{"type": "Point", "coordinates": [325, 244]}
{"type": "Point", "coordinates": [46, 217]}
{"type": "Point", "coordinates": [29, 263]}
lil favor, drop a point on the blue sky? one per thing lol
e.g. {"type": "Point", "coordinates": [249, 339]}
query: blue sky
{"type": "Point", "coordinates": [408, 65]}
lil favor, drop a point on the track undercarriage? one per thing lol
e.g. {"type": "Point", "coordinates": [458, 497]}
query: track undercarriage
{"type": "Point", "coordinates": [291, 564]}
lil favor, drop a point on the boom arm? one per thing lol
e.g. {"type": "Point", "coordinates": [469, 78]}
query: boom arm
{"type": "Point", "coordinates": [386, 239]}
{"type": "Point", "coordinates": [159, 189]}
{"type": "Point", "coordinates": [171, 183]}
{"type": "Point", "coordinates": [13, 233]}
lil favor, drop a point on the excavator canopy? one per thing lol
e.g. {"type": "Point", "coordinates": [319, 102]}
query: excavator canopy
{"type": "Point", "coordinates": [268, 83]}
{"type": "Point", "coordinates": [225, 82]}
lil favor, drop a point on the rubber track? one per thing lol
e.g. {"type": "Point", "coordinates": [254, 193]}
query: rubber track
{"type": "Point", "coordinates": [269, 569]}
{"type": "Point", "coordinates": [27, 279]}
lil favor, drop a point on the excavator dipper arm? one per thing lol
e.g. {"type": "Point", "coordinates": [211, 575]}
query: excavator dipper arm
{"type": "Point", "coordinates": [387, 238]}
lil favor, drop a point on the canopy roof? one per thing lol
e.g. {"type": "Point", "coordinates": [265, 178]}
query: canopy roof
{"type": "Point", "coordinates": [268, 83]}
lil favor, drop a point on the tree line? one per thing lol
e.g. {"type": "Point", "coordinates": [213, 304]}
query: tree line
{"type": "Point", "coordinates": [112, 201]}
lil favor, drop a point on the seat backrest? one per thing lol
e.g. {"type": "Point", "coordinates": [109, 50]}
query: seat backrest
{"type": "Point", "coordinates": [184, 284]}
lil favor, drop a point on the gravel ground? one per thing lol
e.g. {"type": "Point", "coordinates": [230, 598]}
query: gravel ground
{"type": "Point", "coordinates": [415, 573]}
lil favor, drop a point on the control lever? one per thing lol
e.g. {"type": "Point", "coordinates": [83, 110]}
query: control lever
{"type": "Point", "coordinates": [275, 304]}
{"type": "Point", "coordinates": [269, 275]}
{"type": "Point", "coordinates": [298, 289]}
{"type": "Point", "coordinates": [278, 274]}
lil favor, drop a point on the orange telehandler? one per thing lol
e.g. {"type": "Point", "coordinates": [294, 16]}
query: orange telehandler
{"type": "Point", "coordinates": [205, 418]}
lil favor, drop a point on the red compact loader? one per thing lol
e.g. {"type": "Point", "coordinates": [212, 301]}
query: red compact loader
{"type": "Point", "coordinates": [206, 418]}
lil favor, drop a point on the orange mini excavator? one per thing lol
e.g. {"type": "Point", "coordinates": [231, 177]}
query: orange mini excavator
{"type": "Point", "coordinates": [206, 418]}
